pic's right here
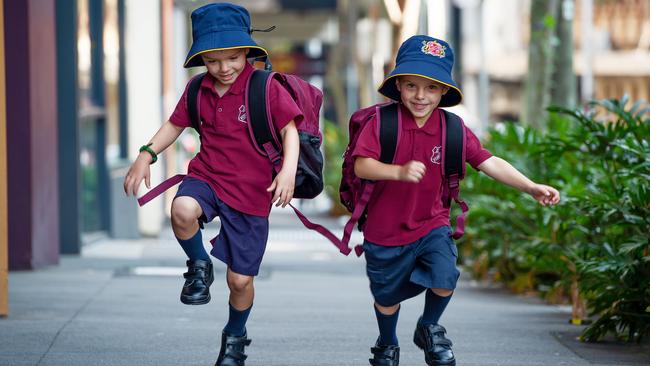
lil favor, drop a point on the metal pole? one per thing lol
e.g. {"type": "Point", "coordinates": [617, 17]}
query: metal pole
{"type": "Point", "coordinates": [98, 95]}
{"type": "Point", "coordinates": [122, 87]}
{"type": "Point", "coordinates": [68, 105]}
{"type": "Point", "coordinates": [352, 80]}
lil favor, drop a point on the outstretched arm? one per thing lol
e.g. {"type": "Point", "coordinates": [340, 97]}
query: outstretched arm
{"type": "Point", "coordinates": [284, 183]}
{"type": "Point", "coordinates": [139, 170]}
{"type": "Point", "coordinates": [369, 168]}
{"type": "Point", "coordinates": [501, 171]}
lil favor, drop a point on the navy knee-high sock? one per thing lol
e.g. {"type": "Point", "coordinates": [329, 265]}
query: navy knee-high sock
{"type": "Point", "coordinates": [193, 247]}
{"type": "Point", "coordinates": [387, 328]}
{"type": "Point", "coordinates": [237, 321]}
{"type": "Point", "coordinates": [434, 306]}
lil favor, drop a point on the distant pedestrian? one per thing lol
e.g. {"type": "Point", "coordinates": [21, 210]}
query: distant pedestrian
{"type": "Point", "coordinates": [228, 178]}
{"type": "Point", "coordinates": [408, 240]}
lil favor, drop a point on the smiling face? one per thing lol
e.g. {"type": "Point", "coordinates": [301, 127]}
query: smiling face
{"type": "Point", "coordinates": [420, 96]}
{"type": "Point", "coordinates": [225, 65]}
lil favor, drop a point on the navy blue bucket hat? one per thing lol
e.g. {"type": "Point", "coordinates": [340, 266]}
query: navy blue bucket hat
{"type": "Point", "coordinates": [429, 58]}
{"type": "Point", "coordinates": [221, 26]}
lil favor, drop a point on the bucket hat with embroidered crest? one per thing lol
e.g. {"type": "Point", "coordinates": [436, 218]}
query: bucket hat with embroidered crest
{"type": "Point", "coordinates": [221, 26]}
{"type": "Point", "coordinates": [429, 58]}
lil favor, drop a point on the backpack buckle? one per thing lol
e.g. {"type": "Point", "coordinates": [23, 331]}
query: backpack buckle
{"type": "Point", "coordinates": [450, 190]}
{"type": "Point", "coordinates": [272, 153]}
{"type": "Point", "coordinates": [454, 181]}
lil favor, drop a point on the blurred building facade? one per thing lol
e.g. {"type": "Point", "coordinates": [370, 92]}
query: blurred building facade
{"type": "Point", "coordinates": [87, 82]}
{"type": "Point", "coordinates": [90, 81]}
{"type": "Point", "coordinates": [613, 49]}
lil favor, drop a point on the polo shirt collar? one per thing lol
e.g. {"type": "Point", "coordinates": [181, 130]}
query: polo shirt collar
{"type": "Point", "coordinates": [237, 88]}
{"type": "Point", "coordinates": [430, 128]}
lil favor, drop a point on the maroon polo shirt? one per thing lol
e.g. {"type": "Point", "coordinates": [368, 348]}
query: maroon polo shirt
{"type": "Point", "coordinates": [399, 212]}
{"type": "Point", "coordinates": [227, 159]}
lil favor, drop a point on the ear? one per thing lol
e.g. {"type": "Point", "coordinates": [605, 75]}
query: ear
{"type": "Point", "coordinates": [445, 89]}
{"type": "Point", "coordinates": [398, 85]}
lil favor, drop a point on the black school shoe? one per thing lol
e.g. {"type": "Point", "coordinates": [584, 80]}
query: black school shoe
{"type": "Point", "coordinates": [198, 278]}
{"type": "Point", "coordinates": [232, 350]}
{"type": "Point", "coordinates": [437, 348]}
{"type": "Point", "coordinates": [384, 355]}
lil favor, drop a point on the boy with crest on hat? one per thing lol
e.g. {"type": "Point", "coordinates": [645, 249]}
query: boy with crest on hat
{"type": "Point", "coordinates": [407, 235]}
{"type": "Point", "coordinates": [228, 177]}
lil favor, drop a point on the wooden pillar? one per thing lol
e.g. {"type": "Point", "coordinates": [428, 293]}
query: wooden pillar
{"type": "Point", "coordinates": [32, 157]}
{"type": "Point", "coordinates": [4, 291]}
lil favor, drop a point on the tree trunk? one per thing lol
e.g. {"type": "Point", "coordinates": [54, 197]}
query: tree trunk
{"type": "Point", "coordinates": [564, 80]}
{"type": "Point", "coordinates": [540, 61]}
{"type": "Point", "coordinates": [578, 313]}
{"type": "Point", "coordinates": [335, 77]}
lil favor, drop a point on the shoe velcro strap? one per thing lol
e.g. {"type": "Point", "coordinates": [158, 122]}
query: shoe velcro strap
{"type": "Point", "coordinates": [436, 340]}
{"type": "Point", "coordinates": [383, 362]}
{"type": "Point", "coordinates": [194, 275]}
{"type": "Point", "coordinates": [443, 342]}
{"type": "Point", "coordinates": [235, 354]}
{"type": "Point", "coordinates": [385, 353]}
{"type": "Point", "coordinates": [238, 341]}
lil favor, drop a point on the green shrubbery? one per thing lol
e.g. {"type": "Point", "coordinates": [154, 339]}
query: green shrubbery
{"type": "Point", "coordinates": [335, 142]}
{"type": "Point", "coordinates": [597, 240]}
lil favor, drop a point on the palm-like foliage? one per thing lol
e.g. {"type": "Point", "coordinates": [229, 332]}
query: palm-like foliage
{"type": "Point", "coordinates": [598, 237]}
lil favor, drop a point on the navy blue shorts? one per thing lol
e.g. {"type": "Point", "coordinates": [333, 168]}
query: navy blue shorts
{"type": "Point", "coordinates": [242, 238]}
{"type": "Point", "coordinates": [402, 272]}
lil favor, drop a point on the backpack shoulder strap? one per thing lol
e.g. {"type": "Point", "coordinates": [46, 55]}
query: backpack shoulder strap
{"type": "Point", "coordinates": [454, 169]}
{"type": "Point", "coordinates": [454, 141]}
{"type": "Point", "coordinates": [193, 102]}
{"type": "Point", "coordinates": [259, 121]}
{"type": "Point", "coordinates": [388, 131]}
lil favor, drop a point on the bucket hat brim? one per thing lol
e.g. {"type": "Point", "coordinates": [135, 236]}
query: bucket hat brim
{"type": "Point", "coordinates": [221, 41]}
{"type": "Point", "coordinates": [426, 70]}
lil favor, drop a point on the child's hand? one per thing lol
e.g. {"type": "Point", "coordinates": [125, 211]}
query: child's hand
{"type": "Point", "coordinates": [137, 171]}
{"type": "Point", "coordinates": [546, 195]}
{"type": "Point", "coordinates": [413, 171]}
{"type": "Point", "coordinates": [283, 185]}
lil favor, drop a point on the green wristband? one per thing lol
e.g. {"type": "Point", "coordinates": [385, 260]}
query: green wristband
{"type": "Point", "coordinates": [154, 156]}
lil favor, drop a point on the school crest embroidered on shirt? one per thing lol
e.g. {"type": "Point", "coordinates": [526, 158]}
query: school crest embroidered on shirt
{"type": "Point", "coordinates": [433, 48]}
{"type": "Point", "coordinates": [436, 154]}
{"type": "Point", "coordinates": [242, 114]}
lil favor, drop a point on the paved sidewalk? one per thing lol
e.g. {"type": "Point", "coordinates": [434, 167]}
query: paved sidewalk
{"type": "Point", "coordinates": [117, 304]}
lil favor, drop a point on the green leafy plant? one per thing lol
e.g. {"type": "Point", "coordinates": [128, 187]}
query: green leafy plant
{"type": "Point", "coordinates": [615, 275]}
{"type": "Point", "coordinates": [335, 143]}
{"type": "Point", "coordinates": [595, 244]}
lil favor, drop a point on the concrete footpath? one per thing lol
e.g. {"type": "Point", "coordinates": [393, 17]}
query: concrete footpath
{"type": "Point", "coordinates": [117, 304]}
